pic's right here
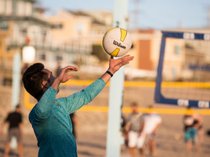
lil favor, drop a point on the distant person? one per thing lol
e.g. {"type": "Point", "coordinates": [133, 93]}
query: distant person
{"type": "Point", "coordinates": [123, 122]}
{"type": "Point", "coordinates": [14, 120]}
{"type": "Point", "coordinates": [133, 129]}
{"type": "Point", "coordinates": [50, 116]}
{"type": "Point", "coordinates": [150, 124]}
{"type": "Point", "coordinates": [200, 128]}
{"type": "Point", "coordinates": [74, 123]}
{"type": "Point", "coordinates": [191, 126]}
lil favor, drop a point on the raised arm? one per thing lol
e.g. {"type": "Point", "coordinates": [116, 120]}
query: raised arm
{"type": "Point", "coordinates": [77, 100]}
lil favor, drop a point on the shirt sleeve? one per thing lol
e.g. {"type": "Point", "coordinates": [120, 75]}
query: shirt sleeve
{"type": "Point", "coordinates": [44, 106]}
{"type": "Point", "coordinates": [77, 100]}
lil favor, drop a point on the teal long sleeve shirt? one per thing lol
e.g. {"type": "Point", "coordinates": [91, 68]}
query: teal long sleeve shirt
{"type": "Point", "coordinates": [52, 124]}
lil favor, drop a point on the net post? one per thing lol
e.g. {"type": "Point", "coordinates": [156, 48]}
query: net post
{"type": "Point", "coordinates": [114, 138]}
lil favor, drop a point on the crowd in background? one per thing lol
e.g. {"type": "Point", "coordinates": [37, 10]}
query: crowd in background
{"type": "Point", "coordinates": [140, 129]}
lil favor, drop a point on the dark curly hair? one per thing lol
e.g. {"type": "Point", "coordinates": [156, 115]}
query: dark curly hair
{"type": "Point", "coordinates": [32, 79]}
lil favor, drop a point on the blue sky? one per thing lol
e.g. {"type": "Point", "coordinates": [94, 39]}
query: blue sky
{"type": "Point", "coordinates": [157, 14]}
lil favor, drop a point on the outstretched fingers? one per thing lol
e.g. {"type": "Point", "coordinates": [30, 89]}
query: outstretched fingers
{"type": "Point", "coordinates": [64, 76]}
{"type": "Point", "coordinates": [70, 68]}
{"type": "Point", "coordinates": [124, 60]}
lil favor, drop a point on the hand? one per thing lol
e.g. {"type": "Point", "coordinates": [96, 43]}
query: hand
{"type": "Point", "coordinates": [116, 64]}
{"type": "Point", "coordinates": [64, 75]}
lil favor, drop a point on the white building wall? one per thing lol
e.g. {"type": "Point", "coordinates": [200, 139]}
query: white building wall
{"type": "Point", "coordinates": [8, 7]}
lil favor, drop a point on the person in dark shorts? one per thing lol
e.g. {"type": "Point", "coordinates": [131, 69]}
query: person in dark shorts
{"type": "Point", "coordinates": [14, 120]}
{"type": "Point", "coordinates": [133, 129]}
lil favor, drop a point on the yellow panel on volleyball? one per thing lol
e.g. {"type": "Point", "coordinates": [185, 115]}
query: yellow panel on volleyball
{"type": "Point", "coordinates": [117, 42]}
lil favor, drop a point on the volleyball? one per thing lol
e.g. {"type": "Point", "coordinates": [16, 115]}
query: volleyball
{"type": "Point", "coordinates": [117, 42]}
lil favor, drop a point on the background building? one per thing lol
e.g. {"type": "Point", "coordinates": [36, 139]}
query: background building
{"type": "Point", "coordinates": [74, 37]}
{"type": "Point", "coordinates": [180, 55]}
{"type": "Point", "coordinates": [21, 25]}
{"type": "Point", "coordinates": [81, 35]}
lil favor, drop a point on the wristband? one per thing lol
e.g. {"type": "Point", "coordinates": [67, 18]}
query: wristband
{"type": "Point", "coordinates": [108, 72]}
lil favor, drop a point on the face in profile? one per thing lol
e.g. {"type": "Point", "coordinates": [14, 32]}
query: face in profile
{"type": "Point", "coordinates": [47, 80]}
